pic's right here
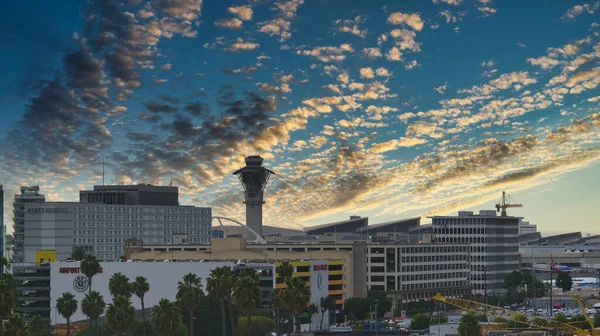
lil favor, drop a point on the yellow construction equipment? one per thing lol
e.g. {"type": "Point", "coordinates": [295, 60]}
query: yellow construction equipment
{"type": "Point", "coordinates": [534, 321]}
{"type": "Point", "coordinates": [504, 204]}
{"type": "Point", "coordinates": [585, 313]}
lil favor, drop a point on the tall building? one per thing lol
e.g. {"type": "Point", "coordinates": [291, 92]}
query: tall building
{"type": "Point", "coordinates": [29, 195]}
{"type": "Point", "coordinates": [142, 212]}
{"type": "Point", "coordinates": [254, 178]}
{"type": "Point", "coordinates": [526, 228]}
{"type": "Point", "coordinates": [494, 242]}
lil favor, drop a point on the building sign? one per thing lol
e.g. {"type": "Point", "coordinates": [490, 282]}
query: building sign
{"type": "Point", "coordinates": [48, 210]}
{"type": "Point", "coordinates": [42, 256]}
{"type": "Point", "coordinates": [73, 270]}
{"type": "Point", "coordinates": [81, 283]}
{"type": "Point", "coordinates": [320, 267]}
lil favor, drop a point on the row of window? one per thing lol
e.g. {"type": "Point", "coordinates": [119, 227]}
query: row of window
{"type": "Point", "coordinates": [140, 233]}
{"type": "Point", "coordinates": [145, 217]}
{"type": "Point", "coordinates": [137, 209]}
{"type": "Point", "coordinates": [421, 249]}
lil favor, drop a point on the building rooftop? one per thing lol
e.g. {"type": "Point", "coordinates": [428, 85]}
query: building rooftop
{"type": "Point", "coordinates": [355, 220]}
{"type": "Point", "coordinates": [387, 224]}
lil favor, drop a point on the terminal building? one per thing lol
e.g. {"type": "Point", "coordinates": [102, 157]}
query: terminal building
{"type": "Point", "coordinates": [105, 218]}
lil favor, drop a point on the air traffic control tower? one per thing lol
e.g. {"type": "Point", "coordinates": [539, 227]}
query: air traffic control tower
{"type": "Point", "coordinates": [254, 178]}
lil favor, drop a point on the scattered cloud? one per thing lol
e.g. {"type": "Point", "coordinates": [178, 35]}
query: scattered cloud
{"type": "Point", "coordinates": [244, 13]}
{"type": "Point", "coordinates": [442, 88]}
{"type": "Point", "coordinates": [412, 20]}
{"type": "Point", "coordinates": [241, 45]}
{"type": "Point", "coordinates": [575, 11]}
{"type": "Point", "coordinates": [351, 26]}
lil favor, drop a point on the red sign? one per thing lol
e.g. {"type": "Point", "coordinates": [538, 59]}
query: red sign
{"type": "Point", "coordinates": [74, 270]}
{"type": "Point", "coordinates": [320, 267]}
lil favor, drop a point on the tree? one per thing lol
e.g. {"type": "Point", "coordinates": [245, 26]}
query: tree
{"type": "Point", "coordinates": [380, 298]}
{"type": "Point", "coordinates": [90, 267]}
{"type": "Point", "coordinates": [295, 298]}
{"type": "Point", "coordinates": [78, 254]}
{"type": "Point", "coordinates": [189, 292]}
{"type": "Point", "coordinates": [419, 322]}
{"type": "Point", "coordinates": [219, 285]}
{"type": "Point", "coordinates": [15, 326]}
{"type": "Point", "coordinates": [119, 285]}
{"type": "Point", "coordinates": [468, 325]}
{"type": "Point", "coordinates": [37, 327]}
{"type": "Point", "coordinates": [93, 306]}
{"type": "Point", "coordinates": [501, 320]}
{"type": "Point", "coordinates": [327, 303]}
{"type": "Point", "coordinates": [564, 281]}
{"type": "Point", "coordinates": [140, 287]}
{"type": "Point", "coordinates": [438, 319]}
{"type": "Point", "coordinates": [583, 324]}
{"type": "Point", "coordinates": [8, 295]}
{"type": "Point", "coordinates": [261, 325]}
{"type": "Point", "coordinates": [276, 297]}
{"type": "Point", "coordinates": [247, 294]}
{"type": "Point", "coordinates": [120, 316]}
{"type": "Point", "coordinates": [358, 308]}
{"type": "Point", "coordinates": [165, 318]}
{"type": "Point", "coordinates": [67, 306]}
{"type": "Point", "coordinates": [561, 318]}
{"type": "Point", "coordinates": [285, 270]}
{"type": "Point", "coordinates": [597, 321]}
{"type": "Point", "coordinates": [513, 281]}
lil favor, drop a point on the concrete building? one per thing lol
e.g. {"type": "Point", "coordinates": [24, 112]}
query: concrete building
{"type": "Point", "coordinates": [33, 289]}
{"type": "Point", "coordinates": [29, 194]}
{"type": "Point", "coordinates": [526, 228]}
{"type": "Point", "coordinates": [139, 194]}
{"type": "Point", "coordinates": [416, 272]}
{"type": "Point", "coordinates": [494, 242]}
{"type": "Point", "coordinates": [102, 229]}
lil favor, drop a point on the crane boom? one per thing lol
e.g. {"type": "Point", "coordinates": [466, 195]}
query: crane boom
{"type": "Point", "coordinates": [511, 315]}
{"type": "Point", "coordinates": [583, 310]}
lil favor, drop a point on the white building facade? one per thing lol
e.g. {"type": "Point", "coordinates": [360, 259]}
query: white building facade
{"type": "Point", "coordinates": [526, 228]}
{"type": "Point", "coordinates": [102, 229]}
{"type": "Point", "coordinates": [494, 242]}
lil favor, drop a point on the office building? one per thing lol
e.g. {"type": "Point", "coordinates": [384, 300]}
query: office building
{"type": "Point", "coordinates": [526, 228]}
{"type": "Point", "coordinates": [416, 272]}
{"type": "Point", "coordinates": [102, 228]}
{"type": "Point", "coordinates": [494, 242]}
{"type": "Point", "coordinates": [29, 195]}
{"type": "Point", "coordinates": [33, 289]}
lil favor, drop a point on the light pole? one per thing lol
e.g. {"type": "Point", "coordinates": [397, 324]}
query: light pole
{"type": "Point", "coordinates": [377, 317]}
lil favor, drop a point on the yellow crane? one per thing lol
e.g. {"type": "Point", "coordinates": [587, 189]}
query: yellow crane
{"type": "Point", "coordinates": [594, 331]}
{"type": "Point", "coordinates": [510, 315]}
{"type": "Point", "coordinates": [505, 203]}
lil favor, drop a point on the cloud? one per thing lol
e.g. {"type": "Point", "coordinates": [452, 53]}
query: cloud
{"type": "Point", "coordinates": [241, 45]}
{"type": "Point", "coordinates": [328, 53]}
{"type": "Point", "coordinates": [442, 88]}
{"type": "Point", "coordinates": [367, 73]}
{"type": "Point", "coordinates": [544, 62]}
{"type": "Point", "coordinates": [406, 39]}
{"type": "Point", "coordinates": [488, 64]}
{"type": "Point", "coordinates": [577, 10]}
{"type": "Point", "coordinates": [230, 23]}
{"type": "Point", "coordinates": [351, 26]}
{"type": "Point", "coordinates": [394, 54]}
{"type": "Point", "coordinates": [281, 26]}
{"type": "Point", "coordinates": [242, 12]}
{"type": "Point", "coordinates": [411, 20]}
{"type": "Point", "coordinates": [411, 65]}
{"type": "Point", "coordinates": [371, 52]}
{"type": "Point", "coordinates": [449, 2]}
{"type": "Point", "coordinates": [242, 70]}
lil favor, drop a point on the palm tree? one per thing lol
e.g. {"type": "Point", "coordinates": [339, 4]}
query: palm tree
{"type": "Point", "coordinates": [8, 295]}
{"type": "Point", "coordinates": [15, 326]}
{"type": "Point", "coordinates": [276, 296]}
{"type": "Point", "coordinates": [285, 270]}
{"type": "Point", "coordinates": [90, 267]}
{"type": "Point", "coordinates": [120, 316]}
{"type": "Point", "coordinates": [468, 325]}
{"type": "Point", "coordinates": [93, 306]}
{"type": "Point", "coordinates": [247, 294]}
{"type": "Point", "coordinates": [219, 284]}
{"type": "Point", "coordinates": [119, 285]}
{"type": "Point", "coordinates": [189, 292]}
{"type": "Point", "coordinates": [165, 318]}
{"type": "Point", "coordinates": [295, 298]}
{"type": "Point", "coordinates": [140, 287]}
{"type": "Point", "coordinates": [327, 303]}
{"type": "Point", "coordinates": [67, 306]}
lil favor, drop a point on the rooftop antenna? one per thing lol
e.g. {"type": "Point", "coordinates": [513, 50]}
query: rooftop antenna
{"type": "Point", "coordinates": [102, 169]}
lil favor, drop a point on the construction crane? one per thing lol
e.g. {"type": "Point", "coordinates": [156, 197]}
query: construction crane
{"type": "Point", "coordinates": [505, 202]}
{"type": "Point", "coordinates": [510, 315]}
{"type": "Point", "coordinates": [585, 313]}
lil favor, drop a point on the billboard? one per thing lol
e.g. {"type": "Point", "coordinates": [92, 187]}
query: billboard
{"type": "Point", "coordinates": [162, 277]}
{"type": "Point", "coordinates": [44, 255]}
{"type": "Point", "coordinates": [319, 288]}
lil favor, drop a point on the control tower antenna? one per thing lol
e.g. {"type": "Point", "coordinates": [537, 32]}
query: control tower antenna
{"type": "Point", "coordinates": [254, 178]}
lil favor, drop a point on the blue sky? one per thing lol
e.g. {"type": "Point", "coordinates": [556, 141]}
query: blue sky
{"type": "Point", "coordinates": [384, 109]}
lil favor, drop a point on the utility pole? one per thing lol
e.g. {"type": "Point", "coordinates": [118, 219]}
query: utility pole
{"type": "Point", "coordinates": [376, 317]}
{"type": "Point", "coordinates": [551, 290]}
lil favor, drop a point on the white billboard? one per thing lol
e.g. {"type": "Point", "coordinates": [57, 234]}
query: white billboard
{"type": "Point", "coordinates": [162, 277]}
{"type": "Point", "coordinates": [319, 288]}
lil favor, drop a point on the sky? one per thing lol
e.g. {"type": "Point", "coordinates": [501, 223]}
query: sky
{"type": "Point", "coordinates": [385, 109]}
